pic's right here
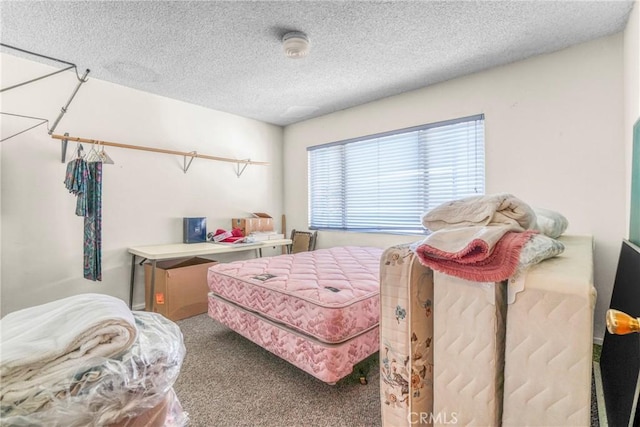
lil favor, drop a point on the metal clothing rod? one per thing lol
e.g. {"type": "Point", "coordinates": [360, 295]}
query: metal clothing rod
{"type": "Point", "coordinates": [36, 79]}
{"type": "Point", "coordinates": [64, 109]}
{"type": "Point", "coordinates": [191, 154]}
{"type": "Point", "coordinates": [42, 121]}
{"type": "Point", "coordinates": [71, 64]}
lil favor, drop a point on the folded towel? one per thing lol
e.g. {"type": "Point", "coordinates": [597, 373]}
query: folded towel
{"type": "Point", "coordinates": [48, 343]}
{"type": "Point", "coordinates": [490, 255]}
{"type": "Point", "coordinates": [493, 209]}
{"type": "Point", "coordinates": [465, 245]}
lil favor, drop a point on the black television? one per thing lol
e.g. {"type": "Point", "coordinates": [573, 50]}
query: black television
{"type": "Point", "coordinates": [620, 357]}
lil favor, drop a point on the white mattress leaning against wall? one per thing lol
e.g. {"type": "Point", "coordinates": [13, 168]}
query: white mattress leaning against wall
{"type": "Point", "coordinates": [498, 349]}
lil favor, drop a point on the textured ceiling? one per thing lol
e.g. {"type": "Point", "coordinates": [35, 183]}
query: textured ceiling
{"type": "Point", "coordinates": [228, 56]}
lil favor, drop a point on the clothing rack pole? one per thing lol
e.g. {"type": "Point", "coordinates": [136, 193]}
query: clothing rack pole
{"type": "Point", "coordinates": [36, 79]}
{"type": "Point", "coordinates": [64, 109]}
{"type": "Point", "coordinates": [70, 65]}
{"type": "Point", "coordinates": [191, 154]}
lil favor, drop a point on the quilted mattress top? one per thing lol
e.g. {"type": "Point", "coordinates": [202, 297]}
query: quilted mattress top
{"type": "Point", "coordinates": [330, 294]}
{"type": "Point", "coordinates": [333, 277]}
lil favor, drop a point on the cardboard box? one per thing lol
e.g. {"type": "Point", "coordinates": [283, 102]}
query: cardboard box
{"type": "Point", "coordinates": [180, 287]}
{"type": "Point", "coordinates": [194, 230]}
{"type": "Point", "coordinates": [259, 222]}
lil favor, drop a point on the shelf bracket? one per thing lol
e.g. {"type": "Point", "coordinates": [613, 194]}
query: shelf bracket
{"type": "Point", "coordinates": [186, 166]}
{"type": "Point", "coordinates": [64, 144]}
{"type": "Point", "coordinates": [239, 170]}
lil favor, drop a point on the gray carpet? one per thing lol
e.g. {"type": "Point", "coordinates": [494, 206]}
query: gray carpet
{"type": "Point", "coordinates": [226, 380]}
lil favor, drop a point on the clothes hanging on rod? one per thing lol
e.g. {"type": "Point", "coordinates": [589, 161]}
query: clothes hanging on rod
{"type": "Point", "coordinates": [76, 181]}
{"type": "Point", "coordinates": [93, 224]}
{"type": "Point", "coordinates": [84, 180]}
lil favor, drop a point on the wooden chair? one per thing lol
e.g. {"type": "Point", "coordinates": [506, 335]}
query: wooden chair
{"type": "Point", "coordinates": [302, 241]}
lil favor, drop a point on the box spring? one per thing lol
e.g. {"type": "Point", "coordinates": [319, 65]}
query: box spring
{"type": "Point", "coordinates": [549, 341]}
{"type": "Point", "coordinates": [327, 362]}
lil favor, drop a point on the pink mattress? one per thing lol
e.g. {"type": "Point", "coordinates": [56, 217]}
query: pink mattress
{"type": "Point", "coordinates": [330, 294]}
{"type": "Point", "coordinates": [318, 310]}
{"type": "Point", "coordinates": [327, 362]}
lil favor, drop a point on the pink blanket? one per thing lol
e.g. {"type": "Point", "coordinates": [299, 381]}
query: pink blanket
{"type": "Point", "coordinates": [477, 238]}
{"type": "Point", "coordinates": [479, 259]}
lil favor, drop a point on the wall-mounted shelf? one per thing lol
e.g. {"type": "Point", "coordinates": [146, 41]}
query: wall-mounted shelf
{"type": "Point", "coordinates": [241, 164]}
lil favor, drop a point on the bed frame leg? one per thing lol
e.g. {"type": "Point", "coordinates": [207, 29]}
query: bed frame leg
{"type": "Point", "coordinates": [362, 377]}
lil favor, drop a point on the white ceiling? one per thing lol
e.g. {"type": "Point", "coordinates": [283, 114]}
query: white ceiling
{"type": "Point", "coordinates": [228, 56]}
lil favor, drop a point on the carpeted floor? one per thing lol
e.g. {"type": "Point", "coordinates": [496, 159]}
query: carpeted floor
{"type": "Point", "coordinates": [227, 381]}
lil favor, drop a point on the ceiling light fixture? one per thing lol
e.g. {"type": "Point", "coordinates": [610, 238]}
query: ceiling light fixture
{"type": "Point", "coordinates": [296, 44]}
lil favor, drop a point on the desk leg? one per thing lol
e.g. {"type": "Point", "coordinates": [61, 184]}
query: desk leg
{"type": "Point", "coordinates": [133, 275]}
{"type": "Point", "coordinates": [153, 285]}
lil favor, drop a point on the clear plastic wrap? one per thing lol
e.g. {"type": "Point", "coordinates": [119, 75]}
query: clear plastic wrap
{"type": "Point", "coordinates": [114, 390]}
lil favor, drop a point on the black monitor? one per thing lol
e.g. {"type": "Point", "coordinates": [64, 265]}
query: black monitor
{"type": "Point", "coordinates": [620, 357]}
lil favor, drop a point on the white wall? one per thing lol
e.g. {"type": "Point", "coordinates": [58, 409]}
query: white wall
{"type": "Point", "coordinates": [554, 138]}
{"type": "Point", "coordinates": [557, 135]}
{"type": "Point", "coordinates": [631, 92]}
{"type": "Point", "coordinates": [145, 195]}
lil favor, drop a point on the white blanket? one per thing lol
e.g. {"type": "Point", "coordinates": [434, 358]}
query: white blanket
{"type": "Point", "coordinates": [492, 209]}
{"type": "Point", "coordinates": [49, 343]}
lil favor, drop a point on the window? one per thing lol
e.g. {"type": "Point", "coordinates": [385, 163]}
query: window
{"type": "Point", "coordinates": [385, 182]}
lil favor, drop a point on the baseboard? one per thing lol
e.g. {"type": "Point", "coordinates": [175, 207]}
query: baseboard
{"type": "Point", "coordinates": [602, 411]}
{"type": "Point", "coordinates": [138, 307]}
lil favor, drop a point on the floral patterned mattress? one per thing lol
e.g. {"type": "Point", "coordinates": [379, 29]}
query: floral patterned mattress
{"type": "Point", "coordinates": [438, 333]}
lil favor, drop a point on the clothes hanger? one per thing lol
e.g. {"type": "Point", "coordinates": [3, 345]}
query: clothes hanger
{"type": "Point", "coordinates": [106, 159]}
{"type": "Point", "coordinates": [93, 156]}
{"type": "Point", "coordinates": [79, 152]}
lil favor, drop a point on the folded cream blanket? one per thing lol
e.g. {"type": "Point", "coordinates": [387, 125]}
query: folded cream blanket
{"type": "Point", "coordinates": [491, 209]}
{"type": "Point", "coordinates": [49, 343]}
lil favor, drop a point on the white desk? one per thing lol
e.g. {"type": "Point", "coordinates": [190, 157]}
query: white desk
{"type": "Point", "coordinates": [156, 253]}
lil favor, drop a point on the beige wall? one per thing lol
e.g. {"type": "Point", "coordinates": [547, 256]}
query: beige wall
{"type": "Point", "coordinates": [554, 138]}
{"type": "Point", "coordinates": [557, 135]}
{"type": "Point", "coordinates": [145, 195]}
{"type": "Point", "coordinates": [631, 92]}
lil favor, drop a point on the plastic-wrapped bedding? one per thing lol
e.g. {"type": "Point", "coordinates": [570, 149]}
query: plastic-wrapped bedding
{"type": "Point", "coordinates": [112, 390]}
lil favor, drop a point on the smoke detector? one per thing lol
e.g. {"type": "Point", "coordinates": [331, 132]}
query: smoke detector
{"type": "Point", "coordinates": [295, 44]}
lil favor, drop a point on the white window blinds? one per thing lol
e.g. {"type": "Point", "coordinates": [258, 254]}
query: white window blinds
{"type": "Point", "coordinates": [385, 182]}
